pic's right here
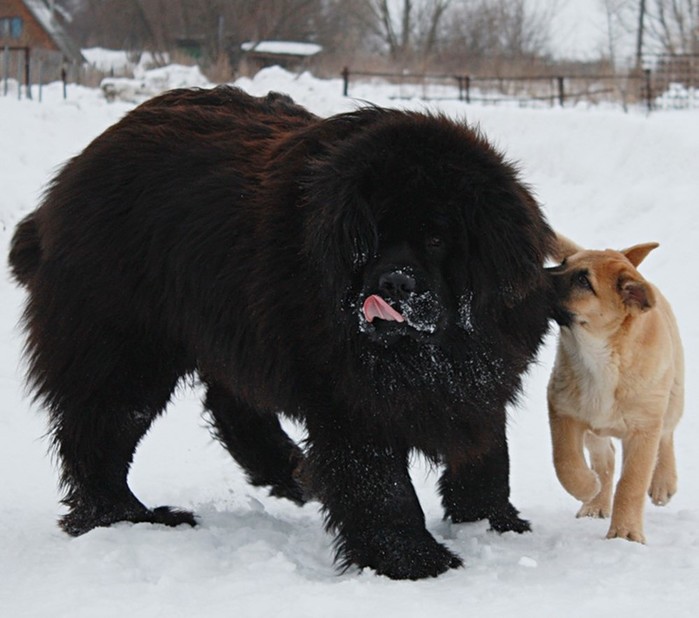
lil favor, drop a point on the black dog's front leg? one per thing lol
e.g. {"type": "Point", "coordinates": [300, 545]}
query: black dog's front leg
{"type": "Point", "coordinates": [477, 486]}
{"type": "Point", "coordinates": [370, 501]}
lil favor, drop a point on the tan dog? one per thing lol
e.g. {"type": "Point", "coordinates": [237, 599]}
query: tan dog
{"type": "Point", "coordinates": [619, 372]}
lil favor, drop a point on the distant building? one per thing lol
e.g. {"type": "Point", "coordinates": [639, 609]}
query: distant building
{"type": "Point", "coordinates": [37, 25]}
{"type": "Point", "coordinates": [287, 54]}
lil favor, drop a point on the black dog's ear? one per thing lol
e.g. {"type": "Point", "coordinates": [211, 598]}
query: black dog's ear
{"type": "Point", "coordinates": [511, 242]}
{"type": "Point", "coordinates": [341, 232]}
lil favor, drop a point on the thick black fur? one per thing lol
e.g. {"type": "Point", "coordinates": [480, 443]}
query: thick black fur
{"type": "Point", "coordinates": [233, 237]}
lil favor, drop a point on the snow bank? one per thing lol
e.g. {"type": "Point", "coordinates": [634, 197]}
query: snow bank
{"type": "Point", "coordinates": [120, 62]}
{"type": "Point", "coordinates": [149, 82]}
{"type": "Point", "coordinates": [604, 178]}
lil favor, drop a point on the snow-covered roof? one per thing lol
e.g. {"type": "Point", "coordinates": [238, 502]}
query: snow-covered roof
{"type": "Point", "coordinates": [282, 48]}
{"type": "Point", "coordinates": [45, 16]}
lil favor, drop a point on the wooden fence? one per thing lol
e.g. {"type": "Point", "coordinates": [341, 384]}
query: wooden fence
{"type": "Point", "coordinates": [671, 82]}
{"type": "Point", "coordinates": [528, 90]}
{"type": "Point", "coordinates": [28, 70]}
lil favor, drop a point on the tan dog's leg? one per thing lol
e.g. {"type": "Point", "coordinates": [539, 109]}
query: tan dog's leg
{"type": "Point", "coordinates": [664, 483]}
{"type": "Point", "coordinates": [602, 460]}
{"type": "Point", "coordinates": [640, 453]}
{"type": "Point", "coordinates": [568, 457]}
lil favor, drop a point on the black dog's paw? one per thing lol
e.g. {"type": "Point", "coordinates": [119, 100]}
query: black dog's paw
{"type": "Point", "coordinates": [404, 554]}
{"type": "Point", "coordinates": [291, 490]}
{"type": "Point", "coordinates": [292, 480]}
{"type": "Point", "coordinates": [508, 520]}
{"type": "Point", "coordinates": [168, 516]}
{"type": "Point", "coordinates": [504, 519]}
{"type": "Point", "coordinates": [83, 519]}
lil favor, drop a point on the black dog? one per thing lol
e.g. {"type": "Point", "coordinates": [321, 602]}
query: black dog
{"type": "Point", "coordinates": [377, 275]}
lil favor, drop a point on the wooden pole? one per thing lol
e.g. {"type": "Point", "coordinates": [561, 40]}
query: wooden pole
{"type": "Point", "coordinates": [639, 34]}
{"type": "Point", "coordinates": [649, 93]}
{"type": "Point", "coordinates": [561, 91]}
{"type": "Point", "coordinates": [345, 80]}
{"type": "Point", "coordinates": [27, 72]}
{"type": "Point", "coordinates": [6, 68]}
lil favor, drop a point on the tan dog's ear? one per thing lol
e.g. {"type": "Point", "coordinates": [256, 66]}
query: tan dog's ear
{"type": "Point", "coordinates": [564, 247]}
{"type": "Point", "coordinates": [636, 293]}
{"type": "Point", "coordinates": [638, 253]}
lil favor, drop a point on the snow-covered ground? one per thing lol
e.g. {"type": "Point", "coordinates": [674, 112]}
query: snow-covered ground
{"type": "Point", "coordinates": [603, 177]}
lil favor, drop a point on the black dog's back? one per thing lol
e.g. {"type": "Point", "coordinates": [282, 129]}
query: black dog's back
{"type": "Point", "coordinates": [116, 298]}
{"type": "Point", "coordinates": [25, 250]}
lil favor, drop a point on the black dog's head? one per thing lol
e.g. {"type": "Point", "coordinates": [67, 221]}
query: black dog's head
{"type": "Point", "coordinates": [404, 294]}
{"type": "Point", "coordinates": [420, 226]}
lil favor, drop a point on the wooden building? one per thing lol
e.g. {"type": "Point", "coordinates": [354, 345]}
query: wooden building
{"type": "Point", "coordinates": [290, 55]}
{"type": "Point", "coordinates": [36, 25]}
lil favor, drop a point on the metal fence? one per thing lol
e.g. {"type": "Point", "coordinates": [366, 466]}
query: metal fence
{"type": "Point", "coordinates": [672, 82]}
{"type": "Point", "coordinates": [676, 80]}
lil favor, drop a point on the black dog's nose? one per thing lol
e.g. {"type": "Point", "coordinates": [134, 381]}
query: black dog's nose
{"type": "Point", "coordinates": [396, 285]}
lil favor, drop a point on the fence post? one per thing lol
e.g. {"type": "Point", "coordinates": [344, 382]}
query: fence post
{"type": "Point", "coordinates": [27, 72]}
{"type": "Point", "coordinates": [40, 79]}
{"type": "Point", "coordinates": [561, 91]}
{"type": "Point", "coordinates": [649, 93]}
{"type": "Point", "coordinates": [464, 86]}
{"type": "Point", "coordinates": [345, 80]}
{"type": "Point", "coordinates": [5, 69]}
{"type": "Point", "coordinates": [64, 79]}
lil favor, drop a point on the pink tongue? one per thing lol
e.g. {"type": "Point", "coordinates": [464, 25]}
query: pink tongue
{"type": "Point", "coordinates": [377, 307]}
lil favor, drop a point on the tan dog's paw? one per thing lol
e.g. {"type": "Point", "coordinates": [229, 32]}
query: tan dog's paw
{"type": "Point", "coordinates": [585, 487]}
{"type": "Point", "coordinates": [630, 533]}
{"type": "Point", "coordinates": [661, 490]}
{"type": "Point", "coordinates": [594, 509]}
{"type": "Point", "coordinates": [660, 496]}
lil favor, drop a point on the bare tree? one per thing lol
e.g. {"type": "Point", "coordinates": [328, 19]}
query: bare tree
{"type": "Point", "coordinates": [215, 27]}
{"type": "Point", "coordinates": [407, 33]}
{"type": "Point", "coordinates": [640, 32]}
{"type": "Point", "coordinates": [499, 32]}
{"type": "Point", "coordinates": [674, 25]}
{"type": "Point", "coordinates": [435, 12]}
{"type": "Point", "coordinates": [619, 17]}
{"type": "Point", "coordinates": [107, 23]}
{"type": "Point", "coordinates": [408, 28]}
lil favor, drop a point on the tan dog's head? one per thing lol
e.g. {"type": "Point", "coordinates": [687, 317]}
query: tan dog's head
{"type": "Point", "coordinates": [598, 290]}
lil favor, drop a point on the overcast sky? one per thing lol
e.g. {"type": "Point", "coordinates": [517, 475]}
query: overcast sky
{"type": "Point", "coordinates": [579, 29]}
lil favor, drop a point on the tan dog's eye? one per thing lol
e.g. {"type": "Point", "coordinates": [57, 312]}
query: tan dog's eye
{"type": "Point", "coordinates": [581, 280]}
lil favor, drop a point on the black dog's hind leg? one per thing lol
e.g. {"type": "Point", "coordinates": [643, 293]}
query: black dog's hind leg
{"type": "Point", "coordinates": [96, 455]}
{"type": "Point", "coordinates": [96, 439]}
{"type": "Point", "coordinates": [103, 388]}
{"type": "Point", "coordinates": [258, 443]}
{"type": "Point", "coordinates": [475, 488]}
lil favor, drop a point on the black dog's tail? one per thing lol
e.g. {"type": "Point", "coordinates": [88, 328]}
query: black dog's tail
{"type": "Point", "coordinates": [25, 250]}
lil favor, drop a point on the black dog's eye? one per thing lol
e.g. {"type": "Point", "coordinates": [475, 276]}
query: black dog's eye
{"type": "Point", "coordinates": [581, 280]}
{"type": "Point", "coordinates": [435, 242]}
